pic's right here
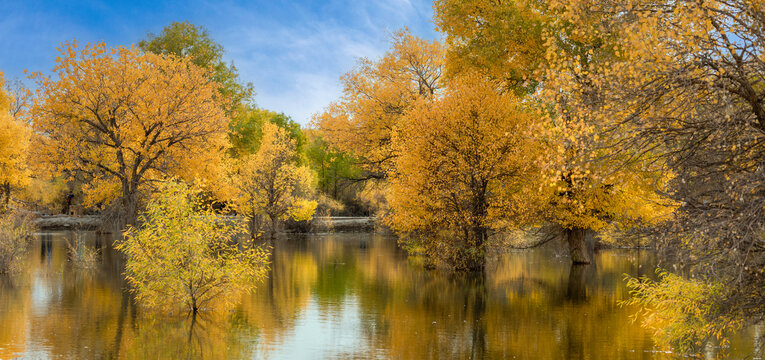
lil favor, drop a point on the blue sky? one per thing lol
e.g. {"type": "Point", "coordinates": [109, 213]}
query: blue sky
{"type": "Point", "coordinates": [292, 52]}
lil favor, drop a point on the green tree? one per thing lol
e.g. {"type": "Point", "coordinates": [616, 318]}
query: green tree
{"type": "Point", "coordinates": [184, 257]}
{"type": "Point", "coordinates": [336, 170]}
{"type": "Point", "coordinates": [246, 131]}
{"type": "Point", "coordinates": [185, 39]}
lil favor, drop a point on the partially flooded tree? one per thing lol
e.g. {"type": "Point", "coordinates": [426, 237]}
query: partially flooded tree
{"type": "Point", "coordinates": [269, 183]}
{"type": "Point", "coordinates": [463, 160]}
{"type": "Point", "coordinates": [557, 52]}
{"type": "Point", "coordinates": [692, 85]}
{"type": "Point", "coordinates": [119, 119]}
{"type": "Point", "coordinates": [186, 257]}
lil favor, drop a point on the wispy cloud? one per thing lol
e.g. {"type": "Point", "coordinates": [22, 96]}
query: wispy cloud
{"type": "Point", "coordinates": [293, 52]}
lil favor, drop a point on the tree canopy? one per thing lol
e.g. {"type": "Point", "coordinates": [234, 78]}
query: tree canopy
{"type": "Point", "coordinates": [119, 119]}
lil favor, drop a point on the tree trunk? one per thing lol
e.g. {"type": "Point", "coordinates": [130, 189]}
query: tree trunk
{"type": "Point", "coordinates": [130, 203]}
{"type": "Point", "coordinates": [476, 257]}
{"type": "Point", "coordinates": [577, 245]}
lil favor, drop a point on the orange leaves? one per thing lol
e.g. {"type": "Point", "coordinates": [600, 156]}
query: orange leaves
{"type": "Point", "coordinates": [14, 142]}
{"type": "Point", "coordinates": [118, 115]}
{"type": "Point", "coordinates": [377, 94]}
{"type": "Point", "coordinates": [461, 158]}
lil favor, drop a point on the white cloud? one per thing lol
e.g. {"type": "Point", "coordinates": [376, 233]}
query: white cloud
{"type": "Point", "coordinates": [295, 62]}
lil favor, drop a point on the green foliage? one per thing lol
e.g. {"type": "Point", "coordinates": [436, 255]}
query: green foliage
{"type": "Point", "coordinates": [246, 131]}
{"type": "Point", "coordinates": [685, 313]}
{"type": "Point", "coordinates": [184, 257]}
{"type": "Point", "coordinates": [15, 235]}
{"type": "Point", "coordinates": [333, 167]}
{"type": "Point", "coordinates": [188, 40]}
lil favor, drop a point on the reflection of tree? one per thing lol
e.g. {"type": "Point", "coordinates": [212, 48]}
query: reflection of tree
{"type": "Point", "coordinates": [528, 305]}
{"type": "Point", "coordinates": [576, 290]}
{"type": "Point", "coordinates": [201, 336]}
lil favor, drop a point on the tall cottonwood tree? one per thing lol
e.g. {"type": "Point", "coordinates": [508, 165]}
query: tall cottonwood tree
{"type": "Point", "coordinates": [14, 143]}
{"type": "Point", "coordinates": [690, 85]}
{"type": "Point", "coordinates": [463, 159]}
{"type": "Point", "coordinates": [120, 118]}
{"type": "Point", "coordinates": [591, 181]}
{"type": "Point", "coordinates": [376, 95]}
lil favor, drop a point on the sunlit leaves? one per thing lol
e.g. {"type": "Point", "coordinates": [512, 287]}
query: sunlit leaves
{"type": "Point", "coordinates": [184, 257]}
{"type": "Point", "coordinates": [117, 118]}
{"type": "Point", "coordinates": [462, 160]}
{"type": "Point", "coordinates": [269, 183]}
{"type": "Point", "coordinates": [376, 96]}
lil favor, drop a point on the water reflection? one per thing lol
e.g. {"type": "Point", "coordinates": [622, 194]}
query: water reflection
{"type": "Point", "coordinates": [338, 296]}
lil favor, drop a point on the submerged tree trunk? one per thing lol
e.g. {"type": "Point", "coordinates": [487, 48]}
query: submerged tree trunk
{"type": "Point", "coordinates": [474, 256]}
{"type": "Point", "coordinates": [577, 245]}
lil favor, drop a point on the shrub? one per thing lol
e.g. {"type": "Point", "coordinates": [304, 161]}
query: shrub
{"type": "Point", "coordinates": [15, 236]}
{"type": "Point", "coordinates": [184, 257]}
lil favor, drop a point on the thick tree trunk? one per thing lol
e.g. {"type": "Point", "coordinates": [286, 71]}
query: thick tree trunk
{"type": "Point", "coordinates": [130, 204]}
{"type": "Point", "coordinates": [577, 245]}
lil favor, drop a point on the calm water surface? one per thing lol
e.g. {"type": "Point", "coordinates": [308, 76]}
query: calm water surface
{"type": "Point", "coordinates": [340, 296]}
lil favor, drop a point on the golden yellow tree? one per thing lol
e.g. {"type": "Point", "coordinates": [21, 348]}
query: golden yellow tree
{"type": "Point", "coordinates": [376, 96]}
{"type": "Point", "coordinates": [118, 118]}
{"type": "Point", "coordinates": [14, 142]}
{"type": "Point", "coordinates": [690, 85]}
{"type": "Point", "coordinates": [270, 183]}
{"type": "Point", "coordinates": [561, 51]}
{"type": "Point", "coordinates": [182, 257]}
{"type": "Point", "coordinates": [463, 161]}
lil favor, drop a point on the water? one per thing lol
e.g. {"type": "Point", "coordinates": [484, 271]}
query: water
{"type": "Point", "coordinates": [340, 296]}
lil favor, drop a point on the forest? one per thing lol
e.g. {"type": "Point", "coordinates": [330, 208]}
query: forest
{"type": "Point", "coordinates": [577, 125]}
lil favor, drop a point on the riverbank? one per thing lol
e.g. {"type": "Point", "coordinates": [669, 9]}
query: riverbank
{"type": "Point", "coordinates": [317, 225]}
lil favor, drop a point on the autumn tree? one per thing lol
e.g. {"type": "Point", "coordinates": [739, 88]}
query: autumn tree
{"type": "Point", "coordinates": [14, 142]}
{"type": "Point", "coordinates": [557, 52]}
{"type": "Point", "coordinates": [463, 160]}
{"type": "Point", "coordinates": [184, 39]}
{"type": "Point", "coordinates": [269, 183]}
{"type": "Point", "coordinates": [246, 131]}
{"type": "Point", "coordinates": [185, 257]}
{"type": "Point", "coordinates": [376, 95]}
{"type": "Point", "coordinates": [119, 119]}
{"type": "Point", "coordinates": [690, 85]}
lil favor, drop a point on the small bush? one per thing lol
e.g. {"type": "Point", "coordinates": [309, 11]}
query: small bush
{"type": "Point", "coordinates": [15, 236]}
{"type": "Point", "coordinates": [184, 257]}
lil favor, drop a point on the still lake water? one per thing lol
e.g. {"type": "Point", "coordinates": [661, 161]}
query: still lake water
{"type": "Point", "coordinates": [340, 296]}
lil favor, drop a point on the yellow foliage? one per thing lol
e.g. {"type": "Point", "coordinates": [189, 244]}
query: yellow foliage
{"type": "Point", "coordinates": [270, 183]}
{"type": "Point", "coordinates": [182, 257]}
{"type": "Point", "coordinates": [463, 160]}
{"type": "Point", "coordinates": [376, 96]}
{"type": "Point", "coordinates": [14, 142]}
{"type": "Point", "coordinates": [120, 118]}
{"type": "Point", "coordinates": [683, 312]}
